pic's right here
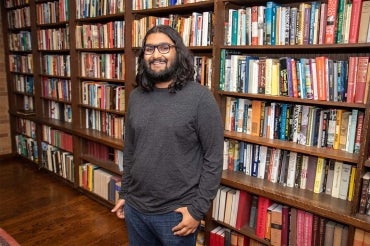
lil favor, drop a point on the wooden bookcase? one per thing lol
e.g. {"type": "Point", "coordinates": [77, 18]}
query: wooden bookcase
{"type": "Point", "coordinates": [83, 53]}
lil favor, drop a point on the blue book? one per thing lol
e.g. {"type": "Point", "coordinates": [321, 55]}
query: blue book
{"type": "Point", "coordinates": [268, 21]}
{"type": "Point", "coordinates": [255, 160]}
{"type": "Point", "coordinates": [283, 121]}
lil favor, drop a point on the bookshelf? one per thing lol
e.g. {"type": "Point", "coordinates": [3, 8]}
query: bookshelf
{"type": "Point", "coordinates": [61, 80]}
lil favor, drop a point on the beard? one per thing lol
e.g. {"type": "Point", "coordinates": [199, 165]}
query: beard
{"type": "Point", "coordinates": [162, 76]}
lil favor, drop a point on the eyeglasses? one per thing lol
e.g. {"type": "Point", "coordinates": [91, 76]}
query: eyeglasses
{"type": "Point", "coordinates": [162, 48]}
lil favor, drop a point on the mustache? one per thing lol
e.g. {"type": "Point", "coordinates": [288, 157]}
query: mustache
{"type": "Point", "coordinates": [157, 60]}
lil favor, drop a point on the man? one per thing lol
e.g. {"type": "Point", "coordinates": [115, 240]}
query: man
{"type": "Point", "coordinates": [173, 146]}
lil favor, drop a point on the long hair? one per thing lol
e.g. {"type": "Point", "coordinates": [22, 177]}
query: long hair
{"type": "Point", "coordinates": [184, 72]}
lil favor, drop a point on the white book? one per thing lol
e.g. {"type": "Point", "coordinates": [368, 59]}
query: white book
{"type": "Point", "coordinates": [338, 166]}
{"type": "Point", "coordinates": [352, 124]}
{"type": "Point", "coordinates": [275, 166]}
{"type": "Point", "coordinates": [248, 158]}
{"type": "Point", "coordinates": [234, 208]}
{"type": "Point", "coordinates": [222, 203]}
{"type": "Point", "coordinates": [262, 162]}
{"type": "Point", "coordinates": [303, 181]}
{"type": "Point", "coordinates": [260, 24]}
{"type": "Point", "coordinates": [205, 25]}
{"type": "Point", "coordinates": [344, 182]}
{"type": "Point", "coordinates": [292, 167]}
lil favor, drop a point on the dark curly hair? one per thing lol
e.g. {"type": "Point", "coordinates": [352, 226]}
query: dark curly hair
{"type": "Point", "coordinates": [183, 73]}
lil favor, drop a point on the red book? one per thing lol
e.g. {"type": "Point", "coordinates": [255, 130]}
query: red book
{"type": "Point", "coordinates": [263, 204]}
{"type": "Point", "coordinates": [362, 67]}
{"type": "Point", "coordinates": [331, 21]}
{"type": "Point", "coordinates": [308, 222]}
{"type": "Point", "coordinates": [352, 76]}
{"type": "Point", "coordinates": [285, 226]}
{"type": "Point", "coordinates": [300, 227]}
{"type": "Point", "coordinates": [355, 21]}
{"type": "Point", "coordinates": [243, 213]}
{"type": "Point", "coordinates": [321, 77]}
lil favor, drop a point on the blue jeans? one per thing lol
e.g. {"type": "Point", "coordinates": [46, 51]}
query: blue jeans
{"type": "Point", "coordinates": [153, 230]}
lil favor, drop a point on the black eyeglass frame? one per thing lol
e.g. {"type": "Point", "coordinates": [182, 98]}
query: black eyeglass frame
{"type": "Point", "coordinates": [159, 47]}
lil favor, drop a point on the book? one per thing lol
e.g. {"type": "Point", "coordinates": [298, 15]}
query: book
{"type": "Point", "coordinates": [329, 232]}
{"type": "Point", "coordinates": [331, 21]}
{"type": "Point", "coordinates": [276, 225]}
{"type": "Point", "coordinates": [268, 221]}
{"type": "Point", "coordinates": [344, 182]}
{"type": "Point", "coordinates": [355, 21]}
{"type": "Point", "coordinates": [337, 236]}
{"type": "Point", "coordinates": [364, 193]}
{"type": "Point", "coordinates": [364, 22]}
{"type": "Point", "coordinates": [243, 209]}
{"type": "Point", "coordinates": [359, 237]}
{"type": "Point", "coordinates": [338, 166]}
{"type": "Point", "coordinates": [360, 87]}
{"type": "Point", "coordinates": [263, 205]}
{"type": "Point", "coordinates": [329, 177]}
{"type": "Point", "coordinates": [253, 212]}
{"type": "Point", "coordinates": [285, 213]}
{"type": "Point", "coordinates": [319, 177]}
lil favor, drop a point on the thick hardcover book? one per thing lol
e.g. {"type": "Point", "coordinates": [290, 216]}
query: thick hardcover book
{"type": "Point", "coordinates": [355, 21]}
{"type": "Point", "coordinates": [360, 87]}
{"type": "Point", "coordinates": [243, 213]}
{"type": "Point", "coordinates": [276, 225]}
{"type": "Point", "coordinates": [263, 205]}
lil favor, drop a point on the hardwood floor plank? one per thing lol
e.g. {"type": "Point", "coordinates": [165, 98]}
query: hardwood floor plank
{"type": "Point", "coordinates": [38, 209]}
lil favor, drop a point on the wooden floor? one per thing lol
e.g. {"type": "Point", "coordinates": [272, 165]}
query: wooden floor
{"type": "Point", "coordinates": [38, 209]}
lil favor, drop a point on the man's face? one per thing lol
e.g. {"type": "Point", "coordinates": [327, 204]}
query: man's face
{"type": "Point", "coordinates": [160, 58]}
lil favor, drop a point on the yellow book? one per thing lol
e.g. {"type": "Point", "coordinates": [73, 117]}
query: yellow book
{"type": "Point", "coordinates": [337, 129]}
{"type": "Point", "coordinates": [351, 183]}
{"type": "Point", "coordinates": [275, 78]}
{"type": "Point", "coordinates": [319, 178]}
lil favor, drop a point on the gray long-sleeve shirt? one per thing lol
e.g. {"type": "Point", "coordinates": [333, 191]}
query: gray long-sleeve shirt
{"type": "Point", "coordinates": [173, 150]}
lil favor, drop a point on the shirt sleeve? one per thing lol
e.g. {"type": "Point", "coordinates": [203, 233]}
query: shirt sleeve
{"type": "Point", "coordinates": [211, 137]}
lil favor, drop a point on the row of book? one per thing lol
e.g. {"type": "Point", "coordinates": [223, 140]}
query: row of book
{"type": "Point", "coordinates": [274, 222]}
{"type": "Point", "coordinates": [95, 8]}
{"type": "Point", "coordinates": [52, 12]}
{"type": "Point", "coordinates": [21, 63]}
{"type": "Point", "coordinates": [106, 35]}
{"type": "Point", "coordinates": [195, 29]}
{"type": "Point", "coordinates": [56, 88]}
{"type": "Point", "coordinates": [20, 41]}
{"type": "Point", "coordinates": [27, 147]}
{"type": "Point", "coordinates": [223, 236]}
{"type": "Point", "coordinates": [53, 38]}
{"type": "Point", "coordinates": [104, 66]}
{"type": "Point", "coordinates": [319, 78]}
{"type": "Point", "coordinates": [103, 153]}
{"type": "Point", "coordinates": [203, 70]}
{"type": "Point", "coordinates": [56, 65]}
{"type": "Point", "coordinates": [24, 83]}
{"type": "Point", "coordinates": [145, 4]}
{"type": "Point", "coordinates": [100, 182]}
{"type": "Point", "coordinates": [19, 18]}
{"type": "Point", "coordinates": [26, 127]}
{"type": "Point", "coordinates": [364, 207]}
{"type": "Point", "coordinates": [303, 124]}
{"type": "Point", "coordinates": [107, 123]}
{"type": "Point", "coordinates": [59, 111]}
{"type": "Point", "coordinates": [103, 95]}
{"type": "Point", "coordinates": [308, 23]}
{"type": "Point", "coordinates": [291, 169]}
{"type": "Point", "coordinates": [57, 138]}
{"type": "Point", "coordinates": [57, 161]}
{"type": "Point", "coordinates": [15, 3]}
{"type": "Point", "coordinates": [361, 238]}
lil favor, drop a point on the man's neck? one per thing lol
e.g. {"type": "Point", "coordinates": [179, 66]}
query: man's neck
{"type": "Point", "coordinates": [162, 85]}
